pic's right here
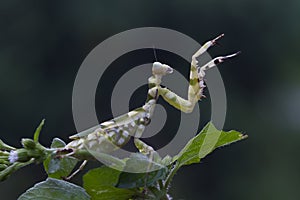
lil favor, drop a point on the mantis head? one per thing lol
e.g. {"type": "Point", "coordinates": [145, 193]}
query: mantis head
{"type": "Point", "coordinates": [161, 69]}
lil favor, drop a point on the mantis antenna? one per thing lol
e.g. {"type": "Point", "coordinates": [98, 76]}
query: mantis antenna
{"type": "Point", "coordinates": [154, 52]}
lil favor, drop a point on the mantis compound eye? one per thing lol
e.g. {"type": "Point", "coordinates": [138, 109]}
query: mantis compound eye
{"type": "Point", "coordinates": [161, 69]}
{"type": "Point", "coordinates": [147, 121]}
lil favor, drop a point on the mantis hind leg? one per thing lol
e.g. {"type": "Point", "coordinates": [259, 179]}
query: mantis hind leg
{"type": "Point", "coordinates": [83, 164]}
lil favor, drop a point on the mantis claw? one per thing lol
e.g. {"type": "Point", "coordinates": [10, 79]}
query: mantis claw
{"type": "Point", "coordinates": [214, 41]}
{"type": "Point", "coordinates": [223, 58]}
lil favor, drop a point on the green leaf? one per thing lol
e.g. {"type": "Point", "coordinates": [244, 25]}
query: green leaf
{"type": "Point", "coordinates": [101, 176]}
{"type": "Point", "coordinates": [110, 192]}
{"type": "Point", "coordinates": [100, 182]}
{"type": "Point", "coordinates": [55, 189]}
{"type": "Point", "coordinates": [147, 172]}
{"type": "Point", "coordinates": [135, 180]}
{"type": "Point", "coordinates": [204, 143]}
{"type": "Point", "coordinates": [57, 143]}
{"type": "Point", "coordinates": [59, 167]}
{"type": "Point", "coordinates": [38, 130]}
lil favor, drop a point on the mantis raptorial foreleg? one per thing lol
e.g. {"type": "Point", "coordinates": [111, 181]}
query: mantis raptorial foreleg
{"type": "Point", "coordinates": [196, 83]}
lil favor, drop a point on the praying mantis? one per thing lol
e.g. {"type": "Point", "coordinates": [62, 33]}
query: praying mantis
{"type": "Point", "coordinates": [115, 133]}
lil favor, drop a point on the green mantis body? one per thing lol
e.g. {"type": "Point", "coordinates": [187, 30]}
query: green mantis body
{"type": "Point", "coordinates": [115, 133]}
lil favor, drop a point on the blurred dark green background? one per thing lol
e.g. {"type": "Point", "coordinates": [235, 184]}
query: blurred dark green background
{"type": "Point", "coordinates": [43, 43]}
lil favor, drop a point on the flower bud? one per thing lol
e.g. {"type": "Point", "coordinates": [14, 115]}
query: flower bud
{"type": "Point", "coordinates": [20, 155]}
{"type": "Point", "coordinates": [28, 143]}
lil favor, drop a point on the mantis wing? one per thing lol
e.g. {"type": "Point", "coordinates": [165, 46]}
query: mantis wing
{"type": "Point", "coordinates": [116, 122]}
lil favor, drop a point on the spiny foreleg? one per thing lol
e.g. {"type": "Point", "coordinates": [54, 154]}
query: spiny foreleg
{"type": "Point", "coordinates": [196, 83]}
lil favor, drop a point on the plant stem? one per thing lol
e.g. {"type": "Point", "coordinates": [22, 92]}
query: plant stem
{"type": "Point", "coordinates": [170, 176]}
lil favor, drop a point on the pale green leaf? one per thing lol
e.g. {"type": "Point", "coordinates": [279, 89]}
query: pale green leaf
{"type": "Point", "coordinates": [55, 189]}
{"type": "Point", "coordinates": [110, 193]}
